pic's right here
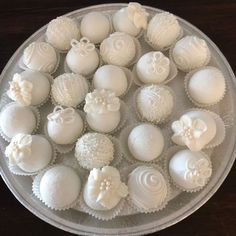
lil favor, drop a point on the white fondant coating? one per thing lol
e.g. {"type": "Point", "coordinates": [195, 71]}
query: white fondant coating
{"type": "Point", "coordinates": [190, 170]}
{"type": "Point", "coordinates": [146, 142]}
{"type": "Point", "coordinates": [69, 89]}
{"type": "Point", "coordinates": [104, 189]}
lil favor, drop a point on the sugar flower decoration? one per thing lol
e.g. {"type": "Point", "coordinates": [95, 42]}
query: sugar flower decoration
{"type": "Point", "coordinates": [84, 47]}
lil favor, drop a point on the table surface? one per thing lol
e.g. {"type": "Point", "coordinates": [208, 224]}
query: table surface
{"type": "Point", "coordinates": [217, 19]}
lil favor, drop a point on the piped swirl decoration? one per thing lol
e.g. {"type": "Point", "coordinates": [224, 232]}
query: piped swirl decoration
{"type": "Point", "coordinates": [137, 14]}
{"type": "Point", "coordinates": [40, 56]}
{"type": "Point", "coordinates": [158, 63]}
{"type": "Point", "coordinates": [101, 101]}
{"type": "Point", "coordinates": [83, 47]}
{"type": "Point", "coordinates": [188, 131]}
{"type": "Point", "coordinates": [147, 187]}
{"type": "Point", "coordinates": [191, 52]}
{"type": "Point", "coordinates": [61, 115]}
{"type": "Point", "coordinates": [19, 148]}
{"type": "Point", "coordinates": [198, 172]}
{"type": "Point", "coordinates": [20, 90]}
{"type": "Point", "coordinates": [106, 187]}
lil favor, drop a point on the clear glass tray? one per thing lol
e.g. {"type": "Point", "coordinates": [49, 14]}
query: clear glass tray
{"type": "Point", "coordinates": [131, 223]}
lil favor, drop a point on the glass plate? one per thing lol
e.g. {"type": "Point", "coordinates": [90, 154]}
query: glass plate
{"type": "Point", "coordinates": [180, 206]}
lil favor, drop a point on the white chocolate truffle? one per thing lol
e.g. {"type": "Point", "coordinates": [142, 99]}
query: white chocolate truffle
{"type": "Point", "coordinates": [59, 187]}
{"type": "Point", "coordinates": [154, 103]}
{"type": "Point", "coordinates": [131, 19]}
{"type": "Point", "coordinates": [195, 129]}
{"type": "Point", "coordinates": [146, 142]}
{"type": "Point", "coordinates": [111, 78]}
{"type": "Point", "coordinates": [104, 189]}
{"type": "Point", "coordinates": [153, 67]}
{"type": "Point", "coordinates": [15, 119]}
{"type": "Point", "coordinates": [207, 86]}
{"type": "Point", "coordinates": [64, 125]}
{"type": "Point", "coordinates": [40, 56]}
{"type": "Point", "coordinates": [119, 49]}
{"type": "Point", "coordinates": [103, 110]}
{"type": "Point", "coordinates": [82, 58]}
{"type": "Point", "coordinates": [61, 31]}
{"type": "Point", "coordinates": [69, 89]}
{"type": "Point", "coordinates": [95, 26]}
{"type": "Point", "coordinates": [94, 150]}
{"type": "Point", "coordinates": [163, 30]}
{"type": "Point", "coordinates": [190, 170]}
{"type": "Point", "coordinates": [29, 88]}
{"type": "Point", "coordinates": [147, 188]}
{"type": "Point", "coordinates": [29, 152]}
{"type": "Point", "coordinates": [190, 53]}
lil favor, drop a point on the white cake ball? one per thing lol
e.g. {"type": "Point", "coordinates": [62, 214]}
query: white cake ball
{"type": "Point", "coordinates": [59, 187]}
{"type": "Point", "coordinates": [64, 125]}
{"type": "Point", "coordinates": [94, 150]}
{"type": "Point", "coordinates": [207, 86]}
{"type": "Point", "coordinates": [190, 170]}
{"type": "Point", "coordinates": [146, 142]}
{"type": "Point", "coordinates": [190, 53]}
{"type": "Point", "coordinates": [69, 89]}
{"type": "Point", "coordinates": [82, 58]}
{"type": "Point", "coordinates": [104, 182]}
{"type": "Point", "coordinates": [112, 78]}
{"type": "Point", "coordinates": [131, 19]}
{"type": "Point", "coordinates": [95, 26]}
{"type": "Point", "coordinates": [153, 67]}
{"type": "Point", "coordinates": [155, 103]}
{"type": "Point", "coordinates": [40, 56]}
{"type": "Point", "coordinates": [118, 49]}
{"type": "Point", "coordinates": [148, 188]}
{"type": "Point", "coordinates": [29, 152]}
{"type": "Point", "coordinates": [102, 109]}
{"type": "Point", "coordinates": [163, 30]}
{"type": "Point", "coordinates": [61, 31]}
{"type": "Point", "coordinates": [29, 88]}
{"type": "Point", "coordinates": [16, 119]}
{"type": "Point", "coordinates": [195, 129]}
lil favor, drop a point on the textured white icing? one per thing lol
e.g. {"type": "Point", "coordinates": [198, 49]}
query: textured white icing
{"type": "Point", "coordinates": [20, 90]}
{"type": "Point", "coordinates": [190, 169]}
{"type": "Point", "coordinates": [119, 49]}
{"type": "Point", "coordinates": [207, 86]}
{"type": "Point", "coordinates": [82, 58]}
{"type": "Point", "coordinates": [190, 53]}
{"type": "Point", "coordinates": [40, 56]}
{"type": "Point", "coordinates": [19, 148]}
{"type": "Point", "coordinates": [95, 26]}
{"type": "Point", "coordinates": [61, 31]}
{"type": "Point", "coordinates": [112, 78]}
{"type": "Point", "coordinates": [147, 187]}
{"type": "Point", "coordinates": [137, 14]}
{"type": "Point", "coordinates": [101, 101]}
{"type": "Point", "coordinates": [16, 119]}
{"type": "Point", "coordinates": [194, 129]}
{"type": "Point", "coordinates": [163, 30]}
{"type": "Point", "coordinates": [154, 103]}
{"type": "Point", "coordinates": [141, 140]}
{"type": "Point", "coordinates": [104, 188]}
{"type": "Point", "coordinates": [153, 67]}
{"type": "Point", "coordinates": [69, 89]}
{"type": "Point", "coordinates": [59, 187]}
{"type": "Point", "coordinates": [94, 150]}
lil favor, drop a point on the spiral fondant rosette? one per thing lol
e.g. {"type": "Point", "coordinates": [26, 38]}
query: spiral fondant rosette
{"type": "Point", "coordinates": [190, 171]}
{"type": "Point", "coordinates": [148, 189]}
{"type": "Point", "coordinates": [40, 56]}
